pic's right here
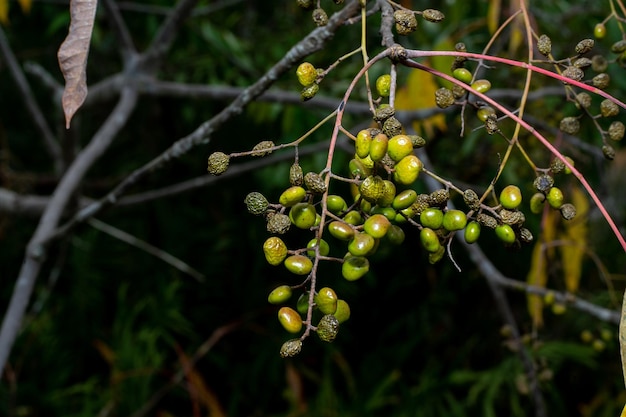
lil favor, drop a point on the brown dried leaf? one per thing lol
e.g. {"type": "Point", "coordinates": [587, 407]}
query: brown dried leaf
{"type": "Point", "coordinates": [73, 54]}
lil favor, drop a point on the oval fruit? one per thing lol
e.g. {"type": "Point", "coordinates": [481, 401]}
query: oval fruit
{"type": "Point", "coordinates": [389, 193]}
{"type": "Point", "coordinates": [298, 264]}
{"type": "Point", "coordinates": [354, 267]}
{"type": "Point", "coordinates": [555, 197]}
{"type": "Point", "coordinates": [510, 197]}
{"type": "Point", "coordinates": [472, 232]}
{"type": "Point", "coordinates": [336, 204]}
{"type": "Point", "coordinates": [279, 294]}
{"type": "Point", "coordinates": [432, 218]}
{"type": "Point", "coordinates": [429, 240]}
{"type": "Point", "coordinates": [462, 74]}
{"type": "Point", "coordinates": [376, 226]}
{"type": "Point", "coordinates": [362, 143]}
{"type": "Point", "coordinates": [362, 244]}
{"type": "Point", "coordinates": [340, 230]}
{"type": "Point", "coordinates": [302, 305]}
{"type": "Point", "coordinates": [343, 311]}
{"type": "Point", "coordinates": [399, 146]}
{"type": "Point", "coordinates": [290, 319]}
{"type": "Point", "coordinates": [378, 147]}
{"type": "Point", "coordinates": [275, 250]}
{"type": "Point", "coordinates": [505, 233]}
{"type": "Point", "coordinates": [482, 86]}
{"type": "Point", "coordinates": [536, 202]}
{"type": "Point", "coordinates": [383, 85]}
{"type": "Point", "coordinates": [302, 215]}
{"type": "Point", "coordinates": [454, 220]}
{"type": "Point", "coordinates": [404, 199]}
{"type": "Point", "coordinates": [353, 217]}
{"type": "Point", "coordinates": [372, 188]}
{"type": "Point", "coordinates": [388, 212]}
{"type": "Point", "coordinates": [292, 195]}
{"type": "Point", "coordinates": [324, 248]}
{"type": "Point", "coordinates": [358, 169]}
{"type": "Point", "coordinates": [407, 170]}
{"type": "Point", "coordinates": [326, 300]}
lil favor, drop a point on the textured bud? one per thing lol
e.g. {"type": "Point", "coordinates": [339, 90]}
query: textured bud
{"type": "Point", "coordinates": [296, 176]}
{"type": "Point", "coordinates": [568, 211]}
{"type": "Point", "coordinates": [309, 92]}
{"type": "Point", "coordinates": [291, 348]}
{"type": "Point", "coordinates": [608, 108]}
{"type": "Point", "coordinates": [582, 63]}
{"type": "Point", "coordinates": [417, 141]}
{"type": "Point", "coordinates": [569, 125]}
{"type": "Point", "coordinates": [392, 127]}
{"type": "Point", "coordinates": [543, 183]}
{"type": "Point", "coordinates": [406, 22]}
{"type": "Point", "coordinates": [512, 217]}
{"type": "Point", "coordinates": [383, 113]}
{"type": "Point", "coordinates": [327, 328]}
{"type": "Point", "coordinates": [583, 100]}
{"type": "Point", "coordinates": [599, 63]}
{"type": "Point", "coordinates": [262, 148]}
{"type": "Point", "coordinates": [320, 17]}
{"type": "Point", "coordinates": [433, 15]}
{"type": "Point", "coordinates": [444, 97]}
{"type": "Point", "coordinates": [609, 152]}
{"type": "Point", "coordinates": [601, 80]}
{"type": "Point", "coordinates": [278, 223]}
{"type": "Point", "coordinates": [471, 199]}
{"type": "Point", "coordinates": [544, 45]}
{"type": "Point", "coordinates": [218, 163]}
{"type": "Point", "coordinates": [616, 130]}
{"type": "Point", "coordinates": [314, 183]}
{"type": "Point", "coordinates": [584, 46]}
{"type": "Point", "coordinates": [256, 203]}
{"type": "Point", "coordinates": [439, 197]}
{"type": "Point", "coordinates": [486, 220]}
{"type": "Point", "coordinates": [573, 73]}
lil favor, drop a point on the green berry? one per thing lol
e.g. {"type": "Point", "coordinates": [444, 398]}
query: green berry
{"type": "Point", "coordinates": [303, 215]}
{"type": "Point", "coordinates": [306, 73]}
{"type": "Point", "coordinates": [510, 197]}
{"type": "Point", "coordinates": [362, 143]}
{"type": "Point", "coordinates": [462, 74]}
{"type": "Point", "coordinates": [599, 31]}
{"type": "Point", "coordinates": [378, 147]}
{"type": "Point", "coordinates": [353, 217]}
{"type": "Point", "coordinates": [376, 226]}
{"type": "Point", "coordinates": [298, 264]}
{"type": "Point", "coordinates": [536, 202]}
{"type": "Point", "coordinates": [361, 244]}
{"type": "Point", "coordinates": [395, 235]}
{"type": "Point", "coordinates": [340, 230]}
{"type": "Point", "coordinates": [555, 197]}
{"type": "Point", "coordinates": [383, 85]}
{"type": "Point", "coordinates": [326, 300]}
{"type": "Point", "coordinates": [292, 195]}
{"type": "Point", "coordinates": [472, 232]}
{"type": "Point", "coordinates": [343, 311]}
{"type": "Point", "coordinates": [430, 240]}
{"type": "Point", "coordinates": [275, 250]}
{"type": "Point", "coordinates": [404, 199]}
{"type": "Point", "coordinates": [505, 233]}
{"type": "Point", "coordinates": [354, 267]}
{"type": "Point", "coordinates": [372, 188]}
{"type": "Point", "coordinates": [324, 248]}
{"type": "Point", "coordinates": [407, 170]}
{"type": "Point", "coordinates": [290, 319]}
{"type": "Point", "coordinates": [336, 204]}
{"type": "Point", "coordinates": [454, 220]}
{"type": "Point", "coordinates": [399, 146]}
{"type": "Point", "coordinates": [279, 294]}
{"type": "Point", "coordinates": [432, 218]}
{"type": "Point", "coordinates": [309, 92]}
{"type": "Point", "coordinates": [482, 86]}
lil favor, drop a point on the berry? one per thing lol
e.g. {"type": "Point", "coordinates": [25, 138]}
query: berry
{"type": "Point", "coordinates": [298, 264]}
{"type": "Point", "coordinates": [544, 45]}
{"type": "Point", "coordinates": [302, 305]}
{"type": "Point", "coordinates": [336, 204]}
{"type": "Point", "coordinates": [454, 220]}
{"type": "Point", "coordinates": [505, 233]}
{"type": "Point", "coordinates": [404, 199]}
{"type": "Point", "coordinates": [395, 235]}
{"type": "Point", "coordinates": [290, 319]}
{"type": "Point", "coordinates": [482, 86]}
{"type": "Point", "coordinates": [510, 197]}
{"type": "Point", "coordinates": [262, 148]}
{"type": "Point", "coordinates": [362, 143]}
{"type": "Point", "coordinates": [309, 92]}
{"type": "Point", "coordinates": [432, 218]}
{"type": "Point", "coordinates": [536, 202]}
{"type": "Point", "coordinates": [279, 294]}
{"type": "Point", "coordinates": [303, 215]}
{"type": "Point", "coordinates": [256, 203]}
{"type": "Point", "coordinates": [306, 73]}
{"type": "Point", "coordinates": [354, 267]}
{"type": "Point", "coordinates": [399, 146]}
{"type": "Point", "coordinates": [324, 248]}
{"type": "Point", "coordinates": [555, 197]}
{"type": "Point", "coordinates": [275, 250]}
{"type": "Point", "coordinates": [326, 300]}
{"type": "Point", "coordinates": [218, 163]}
{"type": "Point", "coordinates": [472, 232]}
{"type": "Point", "coordinates": [378, 147]}
{"type": "Point", "coordinates": [361, 244]}
{"type": "Point", "coordinates": [343, 311]}
{"type": "Point", "coordinates": [353, 217]}
{"type": "Point", "coordinates": [340, 230]}
{"type": "Point", "coordinates": [314, 183]}
{"type": "Point", "coordinates": [406, 22]}
{"type": "Point", "coordinates": [278, 223]}
{"type": "Point", "coordinates": [372, 188]}
{"type": "Point", "coordinates": [383, 85]}
{"type": "Point", "coordinates": [599, 31]}
{"type": "Point", "coordinates": [292, 195]}
{"type": "Point", "coordinates": [291, 347]}
{"type": "Point", "coordinates": [327, 328]}
{"type": "Point", "coordinates": [407, 170]}
{"type": "Point", "coordinates": [430, 240]}
{"type": "Point", "coordinates": [444, 98]}
{"type": "Point", "coordinates": [485, 112]}
{"type": "Point", "coordinates": [376, 226]}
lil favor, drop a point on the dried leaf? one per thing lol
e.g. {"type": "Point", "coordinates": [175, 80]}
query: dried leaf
{"type": "Point", "coordinates": [575, 238]}
{"type": "Point", "coordinates": [73, 54]}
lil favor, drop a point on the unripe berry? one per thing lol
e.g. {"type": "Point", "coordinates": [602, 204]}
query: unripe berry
{"type": "Point", "coordinates": [279, 294]}
{"type": "Point", "coordinates": [430, 240]}
{"type": "Point", "coordinates": [298, 264]}
{"type": "Point", "coordinates": [472, 232]}
{"type": "Point", "coordinates": [505, 233]}
{"type": "Point", "coordinates": [555, 197]}
{"type": "Point", "coordinates": [510, 197]}
{"type": "Point", "coordinates": [407, 170]}
{"type": "Point", "coordinates": [599, 31]}
{"type": "Point", "coordinates": [275, 250]}
{"type": "Point", "coordinates": [326, 300]}
{"type": "Point", "coordinates": [383, 85]}
{"type": "Point", "coordinates": [354, 267]}
{"type": "Point", "coordinates": [454, 220]}
{"type": "Point", "coordinates": [482, 86]}
{"type": "Point", "coordinates": [290, 319]}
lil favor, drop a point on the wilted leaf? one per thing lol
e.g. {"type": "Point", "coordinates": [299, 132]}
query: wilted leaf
{"type": "Point", "coordinates": [575, 238]}
{"type": "Point", "coordinates": [73, 54]}
{"type": "Point", "coordinates": [419, 93]}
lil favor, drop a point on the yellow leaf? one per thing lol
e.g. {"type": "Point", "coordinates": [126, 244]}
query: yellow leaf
{"type": "Point", "coordinates": [537, 276]}
{"type": "Point", "coordinates": [575, 238]}
{"type": "Point", "coordinates": [417, 94]}
{"type": "Point", "coordinates": [4, 12]}
{"type": "Point", "coordinates": [25, 5]}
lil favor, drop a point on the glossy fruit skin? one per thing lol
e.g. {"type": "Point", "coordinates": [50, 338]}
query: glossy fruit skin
{"type": "Point", "coordinates": [432, 218]}
{"type": "Point", "coordinates": [376, 226]}
{"type": "Point", "coordinates": [383, 85]}
{"type": "Point", "coordinates": [378, 147]}
{"type": "Point", "coordinates": [340, 230]}
{"type": "Point", "coordinates": [505, 233]}
{"type": "Point", "coordinates": [407, 170]}
{"type": "Point", "coordinates": [362, 143]}
{"type": "Point", "coordinates": [389, 193]}
{"type": "Point", "coordinates": [399, 146]}
{"type": "Point", "coordinates": [354, 267]}
{"type": "Point", "coordinates": [353, 217]}
{"type": "Point", "coordinates": [336, 204]}
{"type": "Point", "coordinates": [599, 31]}
{"type": "Point", "coordinates": [275, 250]}
{"type": "Point", "coordinates": [454, 220]}
{"type": "Point", "coordinates": [303, 215]}
{"type": "Point", "coordinates": [482, 86]}
{"type": "Point", "coordinates": [343, 311]}
{"type": "Point", "coordinates": [279, 294]}
{"type": "Point", "coordinates": [472, 232]}
{"type": "Point", "coordinates": [555, 197]}
{"type": "Point", "coordinates": [485, 112]}
{"type": "Point", "coordinates": [298, 264]}
{"type": "Point", "coordinates": [404, 199]}
{"type": "Point", "coordinates": [510, 197]}
{"type": "Point", "coordinates": [462, 74]}
{"type": "Point", "coordinates": [290, 319]}
{"type": "Point", "coordinates": [358, 169]}
{"type": "Point", "coordinates": [388, 212]}
{"type": "Point", "coordinates": [430, 240]}
{"type": "Point", "coordinates": [536, 202]}
{"type": "Point", "coordinates": [372, 188]}
{"type": "Point", "coordinates": [292, 195]}
{"type": "Point", "coordinates": [395, 235]}
{"type": "Point", "coordinates": [362, 244]}
{"type": "Point", "coordinates": [306, 73]}
{"type": "Point", "coordinates": [326, 300]}
{"type": "Point", "coordinates": [324, 248]}
{"type": "Point", "coordinates": [302, 305]}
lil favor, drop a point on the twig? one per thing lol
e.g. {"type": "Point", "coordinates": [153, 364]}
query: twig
{"type": "Point", "coordinates": [146, 247]}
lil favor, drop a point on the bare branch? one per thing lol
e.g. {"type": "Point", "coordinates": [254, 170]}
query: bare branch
{"type": "Point", "coordinates": [52, 146]}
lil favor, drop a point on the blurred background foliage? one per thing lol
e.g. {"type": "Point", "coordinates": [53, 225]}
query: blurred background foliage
{"type": "Point", "coordinates": [110, 327]}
